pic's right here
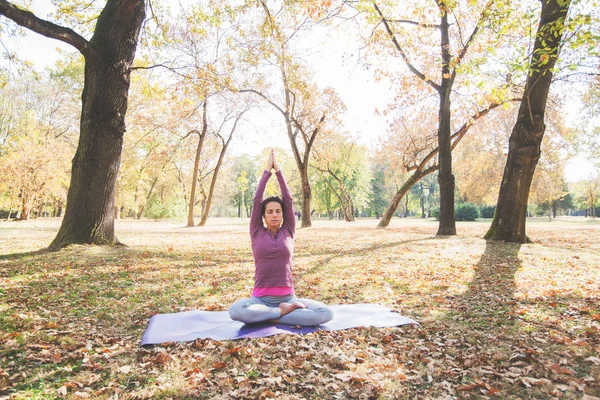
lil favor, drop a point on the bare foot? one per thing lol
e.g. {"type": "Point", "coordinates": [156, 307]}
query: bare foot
{"type": "Point", "coordinates": [286, 308]}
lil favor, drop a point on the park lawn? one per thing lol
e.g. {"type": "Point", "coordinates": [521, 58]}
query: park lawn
{"type": "Point", "coordinates": [497, 320]}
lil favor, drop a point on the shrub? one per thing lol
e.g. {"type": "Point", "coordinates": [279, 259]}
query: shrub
{"type": "Point", "coordinates": [435, 213]}
{"type": "Point", "coordinates": [155, 210]}
{"type": "Point", "coordinates": [487, 211]}
{"type": "Point", "coordinates": [467, 212]}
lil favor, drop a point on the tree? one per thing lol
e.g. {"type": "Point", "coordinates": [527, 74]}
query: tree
{"type": "Point", "coordinates": [526, 137]}
{"type": "Point", "coordinates": [225, 140]}
{"type": "Point", "coordinates": [377, 199]}
{"type": "Point", "coordinates": [201, 137]}
{"type": "Point", "coordinates": [108, 55]}
{"type": "Point", "coordinates": [590, 196]}
{"type": "Point", "coordinates": [448, 66]}
{"type": "Point", "coordinates": [36, 138]}
{"type": "Point", "coordinates": [304, 107]}
{"type": "Point", "coordinates": [158, 118]}
{"type": "Point", "coordinates": [439, 39]}
{"type": "Point", "coordinates": [588, 140]}
{"type": "Point", "coordinates": [244, 177]}
{"type": "Point", "coordinates": [415, 152]}
{"type": "Point", "coordinates": [344, 169]}
{"type": "Point", "coordinates": [548, 186]}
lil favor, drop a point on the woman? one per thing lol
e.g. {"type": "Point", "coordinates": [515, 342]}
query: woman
{"type": "Point", "coordinates": [273, 296]}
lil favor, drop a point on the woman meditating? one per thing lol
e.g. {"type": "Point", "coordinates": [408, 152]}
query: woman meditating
{"type": "Point", "coordinates": [273, 296]}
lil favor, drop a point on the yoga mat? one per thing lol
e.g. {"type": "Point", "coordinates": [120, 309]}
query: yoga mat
{"type": "Point", "coordinates": [192, 325]}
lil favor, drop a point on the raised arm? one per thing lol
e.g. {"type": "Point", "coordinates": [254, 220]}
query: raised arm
{"type": "Point", "coordinates": [289, 219]}
{"type": "Point", "coordinates": [255, 216]}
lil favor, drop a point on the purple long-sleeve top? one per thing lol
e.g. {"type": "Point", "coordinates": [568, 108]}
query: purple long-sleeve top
{"type": "Point", "coordinates": [273, 255]}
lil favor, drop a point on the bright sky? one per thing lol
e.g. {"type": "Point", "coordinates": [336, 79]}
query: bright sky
{"type": "Point", "coordinates": [358, 89]}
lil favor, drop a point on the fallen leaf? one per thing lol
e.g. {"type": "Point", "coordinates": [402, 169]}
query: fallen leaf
{"type": "Point", "coordinates": [594, 360]}
{"type": "Point", "coordinates": [557, 369]}
{"type": "Point", "coordinates": [466, 388]}
{"type": "Point", "coordinates": [125, 369]}
{"type": "Point", "coordinates": [62, 391]}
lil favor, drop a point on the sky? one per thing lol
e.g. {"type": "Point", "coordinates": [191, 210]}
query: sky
{"type": "Point", "coordinates": [334, 64]}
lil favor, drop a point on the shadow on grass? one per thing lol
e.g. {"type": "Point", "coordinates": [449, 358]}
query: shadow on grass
{"type": "Point", "coordinates": [333, 254]}
{"type": "Point", "coordinates": [18, 256]}
{"type": "Point", "coordinates": [489, 300]}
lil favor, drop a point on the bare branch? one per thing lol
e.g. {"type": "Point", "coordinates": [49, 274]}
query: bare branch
{"type": "Point", "coordinates": [421, 24]}
{"type": "Point", "coordinates": [264, 97]}
{"type": "Point", "coordinates": [459, 134]}
{"type": "Point", "coordinates": [411, 67]}
{"type": "Point", "coordinates": [172, 69]}
{"type": "Point", "coordinates": [463, 51]}
{"type": "Point", "coordinates": [314, 134]}
{"type": "Point", "coordinates": [51, 30]}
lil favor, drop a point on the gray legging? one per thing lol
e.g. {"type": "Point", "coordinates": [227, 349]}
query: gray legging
{"type": "Point", "coordinates": [265, 308]}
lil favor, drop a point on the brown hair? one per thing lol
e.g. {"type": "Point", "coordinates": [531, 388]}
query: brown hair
{"type": "Point", "coordinates": [272, 199]}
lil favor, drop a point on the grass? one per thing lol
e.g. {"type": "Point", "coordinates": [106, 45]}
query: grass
{"type": "Point", "coordinates": [497, 320]}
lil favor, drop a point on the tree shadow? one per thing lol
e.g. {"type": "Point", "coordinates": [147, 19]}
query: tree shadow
{"type": "Point", "coordinates": [329, 255]}
{"type": "Point", "coordinates": [18, 256]}
{"type": "Point", "coordinates": [489, 300]}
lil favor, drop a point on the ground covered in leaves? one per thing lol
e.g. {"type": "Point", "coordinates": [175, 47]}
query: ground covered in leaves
{"type": "Point", "coordinates": [497, 320]}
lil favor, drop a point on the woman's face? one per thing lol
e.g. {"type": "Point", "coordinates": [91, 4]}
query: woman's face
{"type": "Point", "coordinates": [273, 215]}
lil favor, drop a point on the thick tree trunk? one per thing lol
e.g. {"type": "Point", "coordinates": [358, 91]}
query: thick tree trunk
{"type": "Point", "coordinates": [447, 225]}
{"type": "Point", "coordinates": [526, 137]}
{"type": "Point", "coordinates": [89, 214]}
{"type": "Point", "coordinates": [108, 57]}
{"type": "Point", "coordinates": [414, 178]}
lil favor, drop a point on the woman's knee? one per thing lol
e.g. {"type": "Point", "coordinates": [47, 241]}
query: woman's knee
{"type": "Point", "coordinates": [237, 310]}
{"type": "Point", "coordinates": [326, 314]}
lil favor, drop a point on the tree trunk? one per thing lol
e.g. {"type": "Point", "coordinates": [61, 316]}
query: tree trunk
{"type": "Point", "coordinates": [213, 181]}
{"type": "Point", "coordinates": [527, 134]}
{"type": "Point", "coordinates": [414, 178]}
{"type": "Point", "coordinates": [306, 197]}
{"type": "Point", "coordinates": [108, 57]}
{"type": "Point", "coordinates": [447, 224]}
{"type": "Point", "coordinates": [423, 197]}
{"type": "Point", "coordinates": [346, 204]}
{"type": "Point", "coordinates": [202, 136]}
{"type": "Point", "coordinates": [143, 207]}
{"type": "Point", "coordinates": [59, 209]}
{"type": "Point", "coordinates": [25, 209]}
{"type": "Point", "coordinates": [203, 206]}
